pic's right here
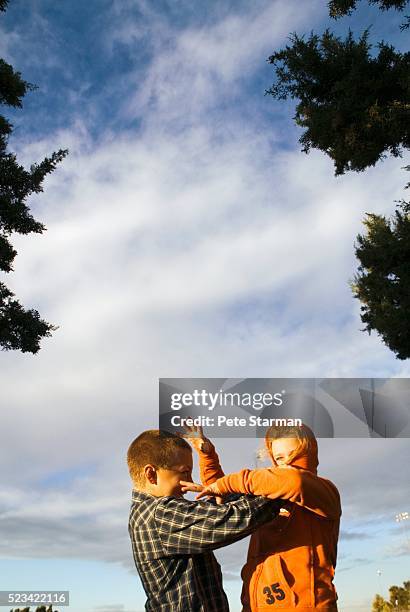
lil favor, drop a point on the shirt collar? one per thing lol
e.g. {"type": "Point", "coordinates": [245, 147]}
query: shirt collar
{"type": "Point", "coordinates": [140, 495]}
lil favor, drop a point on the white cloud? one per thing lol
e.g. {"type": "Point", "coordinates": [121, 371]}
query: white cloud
{"type": "Point", "coordinates": [8, 41]}
{"type": "Point", "coordinates": [195, 68]}
{"type": "Point", "coordinates": [190, 247]}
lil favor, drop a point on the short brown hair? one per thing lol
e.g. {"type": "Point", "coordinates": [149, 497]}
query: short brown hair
{"type": "Point", "coordinates": [155, 446]}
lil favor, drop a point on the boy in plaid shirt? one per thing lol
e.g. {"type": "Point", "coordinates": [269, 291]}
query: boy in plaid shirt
{"type": "Point", "coordinates": [173, 538]}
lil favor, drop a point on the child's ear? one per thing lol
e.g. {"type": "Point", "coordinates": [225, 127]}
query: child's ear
{"type": "Point", "coordinates": [150, 474]}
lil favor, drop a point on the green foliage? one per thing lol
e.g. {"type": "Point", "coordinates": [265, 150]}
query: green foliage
{"type": "Point", "coordinates": [38, 609]}
{"type": "Point", "coordinates": [12, 89]}
{"type": "Point", "coordinates": [355, 107]}
{"type": "Point", "coordinates": [400, 596]}
{"type": "Point", "coordinates": [399, 599]}
{"type": "Point", "coordinates": [19, 328]}
{"type": "Point", "coordinates": [382, 282]}
{"type": "Point", "coordinates": [380, 605]}
{"type": "Point", "coordinates": [406, 24]}
{"type": "Point", "coordinates": [339, 8]}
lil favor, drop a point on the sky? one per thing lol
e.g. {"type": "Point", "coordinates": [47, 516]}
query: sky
{"type": "Point", "coordinates": [187, 236]}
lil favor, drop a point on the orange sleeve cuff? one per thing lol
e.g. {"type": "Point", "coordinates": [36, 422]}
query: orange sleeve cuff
{"type": "Point", "coordinates": [209, 466]}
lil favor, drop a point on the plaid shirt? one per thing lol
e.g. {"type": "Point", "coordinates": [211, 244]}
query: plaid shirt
{"type": "Point", "coordinates": [172, 542]}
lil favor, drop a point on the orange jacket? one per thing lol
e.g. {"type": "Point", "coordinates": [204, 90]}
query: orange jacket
{"type": "Point", "coordinates": [291, 560]}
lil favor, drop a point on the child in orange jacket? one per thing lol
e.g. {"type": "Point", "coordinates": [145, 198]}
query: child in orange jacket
{"type": "Point", "coordinates": [291, 560]}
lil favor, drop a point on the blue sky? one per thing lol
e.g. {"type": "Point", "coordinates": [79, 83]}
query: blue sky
{"type": "Point", "coordinates": [187, 236]}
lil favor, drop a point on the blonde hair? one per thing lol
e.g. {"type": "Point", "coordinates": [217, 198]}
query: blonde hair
{"type": "Point", "coordinates": [303, 434]}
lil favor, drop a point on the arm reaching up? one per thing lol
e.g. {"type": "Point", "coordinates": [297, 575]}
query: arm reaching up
{"type": "Point", "coordinates": [209, 467]}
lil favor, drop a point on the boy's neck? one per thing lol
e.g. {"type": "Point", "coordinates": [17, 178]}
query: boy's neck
{"type": "Point", "coordinates": [145, 490]}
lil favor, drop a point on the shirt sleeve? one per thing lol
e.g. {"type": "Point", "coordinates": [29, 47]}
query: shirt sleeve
{"type": "Point", "coordinates": [187, 527]}
{"type": "Point", "coordinates": [209, 467]}
{"type": "Point", "coordinates": [299, 486]}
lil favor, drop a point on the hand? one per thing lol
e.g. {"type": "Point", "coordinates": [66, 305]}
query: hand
{"type": "Point", "coordinates": [209, 491]}
{"type": "Point", "coordinates": [195, 436]}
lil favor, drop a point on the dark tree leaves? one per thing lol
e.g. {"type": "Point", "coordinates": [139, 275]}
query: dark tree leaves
{"type": "Point", "coordinates": [400, 596]}
{"type": "Point", "coordinates": [340, 8]}
{"type": "Point", "coordinates": [355, 107]}
{"type": "Point", "coordinates": [19, 328]}
{"type": "Point", "coordinates": [406, 24]}
{"type": "Point", "coordinates": [399, 599]}
{"type": "Point", "coordinates": [38, 609]}
{"type": "Point", "coordinates": [12, 89]}
{"type": "Point", "coordinates": [382, 283]}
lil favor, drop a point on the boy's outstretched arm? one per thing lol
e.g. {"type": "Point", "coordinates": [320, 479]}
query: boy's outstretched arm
{"type": "Point", "coordinates": [299, 486]}
{"type": "Point", "coordinates": [187, 527]}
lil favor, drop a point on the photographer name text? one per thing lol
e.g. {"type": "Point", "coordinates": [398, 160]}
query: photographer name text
{"type": "Point", "coordinates": [236, 421]}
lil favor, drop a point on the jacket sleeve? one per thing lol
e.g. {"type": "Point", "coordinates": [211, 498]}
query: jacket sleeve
{"type": "Point", "coordinates": [299, 486]}
{"type": "Point", "coordinates": [209, 466]}
{"type": "Point", "coordinates": [187, 527]}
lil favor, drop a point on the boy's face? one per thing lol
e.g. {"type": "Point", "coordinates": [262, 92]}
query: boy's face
{"type": "Point", "coordinates": [167, 479]}
{"type": "Point", "coordinates": [282, 449]}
